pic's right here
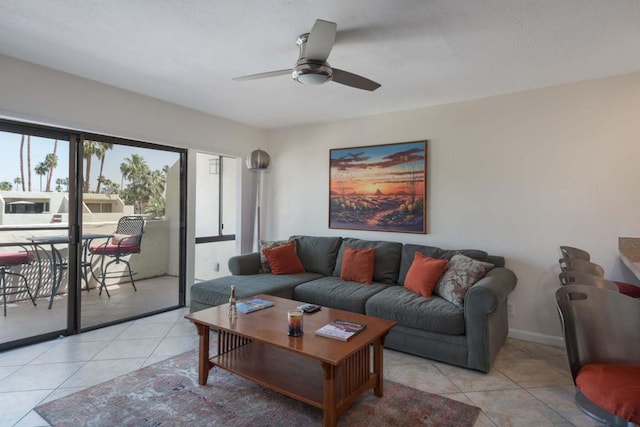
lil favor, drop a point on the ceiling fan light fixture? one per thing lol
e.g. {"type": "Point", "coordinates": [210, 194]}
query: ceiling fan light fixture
{"type": "Point", "coordinates": [309, 73]}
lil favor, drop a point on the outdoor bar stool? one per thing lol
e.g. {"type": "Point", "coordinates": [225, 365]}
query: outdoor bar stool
{"type": "Point", "coordinates": [125, 241]}
{"type": "Point", "coordinates": [13, 259]}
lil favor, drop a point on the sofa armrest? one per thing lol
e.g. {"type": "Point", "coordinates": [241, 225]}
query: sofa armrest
{"type": "Point", "coordinates": [485, 317]}
{"type": "Point", "coordinates": [242, 265]}
{"type": "Point", "coordinates": [492, 290]}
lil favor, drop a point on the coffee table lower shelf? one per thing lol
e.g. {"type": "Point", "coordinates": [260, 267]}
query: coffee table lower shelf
{"type": "Point", "coordinates": [300, 377]}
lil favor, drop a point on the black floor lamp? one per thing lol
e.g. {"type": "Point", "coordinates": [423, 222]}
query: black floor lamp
{"type": "Point", "coordinates": [258, 160]}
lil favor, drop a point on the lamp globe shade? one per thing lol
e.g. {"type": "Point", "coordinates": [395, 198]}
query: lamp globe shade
{"type": "Point", "coordinates": [258, 159]}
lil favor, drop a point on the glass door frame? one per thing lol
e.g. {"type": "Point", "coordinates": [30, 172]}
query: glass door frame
{"type": "Point", "coordinates": [74, 225]}
{"type": "Point", "coordinates": [182, 228]}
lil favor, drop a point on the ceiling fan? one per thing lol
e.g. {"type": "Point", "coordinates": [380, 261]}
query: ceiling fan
{"type": "Point", "coordinates": [312, 67]}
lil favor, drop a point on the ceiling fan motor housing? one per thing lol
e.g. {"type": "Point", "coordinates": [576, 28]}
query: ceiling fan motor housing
{"type": "Point", "coordinates": [312, 73]}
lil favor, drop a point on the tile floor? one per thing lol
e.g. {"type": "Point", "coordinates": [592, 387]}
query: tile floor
{"type": "Point", "coordinates": [529, 385]}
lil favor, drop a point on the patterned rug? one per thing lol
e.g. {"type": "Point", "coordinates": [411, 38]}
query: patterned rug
{"type": "Point", "coordinates": [167, 394]}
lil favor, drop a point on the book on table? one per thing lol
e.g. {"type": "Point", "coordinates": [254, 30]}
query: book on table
{"type": "Point", "coordinates": [252, 305]}
{"type": "Point", "coordinates": [341, 330]}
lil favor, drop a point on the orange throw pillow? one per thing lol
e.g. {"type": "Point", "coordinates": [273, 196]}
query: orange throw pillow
{"type": "Point", "coordinates": [424, 273]}
{"type": "Point", "coordinates": [357, 265]}
{"type": "Point", "coordinates": [284, 259]}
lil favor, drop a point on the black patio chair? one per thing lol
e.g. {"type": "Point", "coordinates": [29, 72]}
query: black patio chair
{"type": "Point", "coordinates": [124, 242]}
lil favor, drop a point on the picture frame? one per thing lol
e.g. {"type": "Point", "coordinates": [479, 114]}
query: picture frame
{"type": "Point", "coordinates": [379, 187]}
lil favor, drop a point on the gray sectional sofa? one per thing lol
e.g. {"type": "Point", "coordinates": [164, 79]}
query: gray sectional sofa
{"type": "Point", "coordinates": [434, 328]}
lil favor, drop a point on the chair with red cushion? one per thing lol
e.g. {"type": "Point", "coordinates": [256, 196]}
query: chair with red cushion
{"type": "Point", "coordinates": [571, 252]}
{"type": "Point", "coordinates": [581, 265]}
{"type": "Point", "coordinates": [7, 261]}
{"type": "Point", "coordinates": [601, 334]}
{"type": "Point", "coordinates": [125, 241]}
{"type": "Point", "coordinates": [580, 278]}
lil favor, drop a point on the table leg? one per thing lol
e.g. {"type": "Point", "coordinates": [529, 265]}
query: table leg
{"type": "Point", "coordinates": [377, 366]}
{"type": "Point", "coordinates": [330, 418]}
{"type": "Point", "coordinates": [203, 356]}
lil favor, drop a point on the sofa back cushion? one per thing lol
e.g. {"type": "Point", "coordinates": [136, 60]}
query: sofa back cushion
{"type": "Point", "coordinates": [387, 260]}
{"type": "Point", "coordinates": [318, 254]}
{"type": "Point", "coordinates": [409, 251]}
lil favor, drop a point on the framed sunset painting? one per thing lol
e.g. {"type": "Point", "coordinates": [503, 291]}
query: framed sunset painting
{"type": "Point", "coordinates": [379, 187]}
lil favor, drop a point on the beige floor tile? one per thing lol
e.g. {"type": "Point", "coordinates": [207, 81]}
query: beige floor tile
{"type": "Point", "coordinates": [510, 352]}
{"type": "Point", "coordinates": [145, 330]}
{"type": "Point", "coordinates": [393, 357]}
{"type": "Point", "coordinates": [24, 355]}
{"type": "Point", "coordinates": [172, 346]}
{"type": "Point", "coordinates": [539, 350]}
{"type": "Point", "coordinates": [533, 373]}
{"type": "Point", "coordinates": [468, 380]}
{"type": "Point", "coordinates": [98, 371]}
{"type": "Point", "coordinates": [422, 376]}
{"type": "Point", "coordinates": [122, 349]}
{"type": "Point", "coordinates": [6, 370]}
{"type": "Point", "coordinates": [61, 392]}
{"type": "Point", "coordinates": [559, 362]}
{"type": "Point", "coordinates": [32, 419]}
{"type": "Point", "coordinates": [561, 399]}
{"type": "Point", "coordinates": [39, 377]}
{"type": "Point", "coordinates": [15, 405]}
{"type": "Point", "coordinates": [515, 408]}
{"type": "Point", "coordinates": [70, 351]}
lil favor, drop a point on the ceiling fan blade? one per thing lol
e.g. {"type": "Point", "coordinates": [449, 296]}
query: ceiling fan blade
{"type": "Point", "coordinates": [264, 75]}
{"type": "Point", "coordinates": [320, 40]}
{"type": "Point", "coordinates": [354, 80]}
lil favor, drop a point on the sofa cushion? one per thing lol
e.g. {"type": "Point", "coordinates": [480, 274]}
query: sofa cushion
{"type": "Point", "coordinates": [387, 262]}
{"type": "Point", "coordinates": [215, 292]}
{"type": "Point", "coordinates": [318, 254]}
{"type": "Point", "coordinates": [283, 259]}
{"type": "Point", "coordinates": [424, 274]}
{"type": "Point", "coordinates": [415, 311]}
{"type": "Point", "coordinates": [462, 272]}
{"type": "Point", "coordinates": [335, 293]}
{"type": "Point", "coordinates": [267, 244]}
{"type": "Point", "coordinates": [409, 250]}
{"type": "Point", "coordinates": [357, 265]}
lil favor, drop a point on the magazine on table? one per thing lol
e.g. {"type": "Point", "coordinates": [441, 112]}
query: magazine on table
{"type": "Point", "coordinates": [341, 330]}
{"type": "Point", "coordinates": [252, 305]}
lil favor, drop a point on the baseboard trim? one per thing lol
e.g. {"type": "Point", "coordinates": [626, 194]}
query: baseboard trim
{"type": "Point", "coordinates": [535, 337]}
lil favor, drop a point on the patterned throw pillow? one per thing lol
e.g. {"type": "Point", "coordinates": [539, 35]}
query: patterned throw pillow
{"type": "Point", "coordinates": [266, 244]}
{"type": "Point", "coordinates": [462, 272]}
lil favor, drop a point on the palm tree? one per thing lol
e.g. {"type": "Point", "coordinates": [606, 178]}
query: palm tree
{"type": "Point", "coordinates": [22, 162]}
{"type": "Point", "coordinates": [89, 148]}
{"type": "Point", "coordinates": [6, 186]}
{"type": "Point", "coordinates": [41, 170]}
{"type": "Point", "coordinates": [51, 160]}
{"type": "Point", "coordinates": [101, 150]}
{"type": "Point", "coordinates": [17, 181]}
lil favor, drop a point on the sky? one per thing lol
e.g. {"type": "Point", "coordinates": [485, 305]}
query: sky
{"type": "Point", "coordinates": [385, 168]}
{"type": "Point", "coordinates": [40, 147]}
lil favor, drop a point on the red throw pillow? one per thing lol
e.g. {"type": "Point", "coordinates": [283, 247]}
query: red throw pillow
{"type": "Point", "coordinates": [284, 259]}
{"type": "Point", "coordinates": [357, 265]}
{"type": "Point", "coordinates": [424, 274]}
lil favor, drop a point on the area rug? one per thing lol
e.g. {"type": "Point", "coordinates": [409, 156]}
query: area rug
{"type": "Point", "coordinates": [167, 394]}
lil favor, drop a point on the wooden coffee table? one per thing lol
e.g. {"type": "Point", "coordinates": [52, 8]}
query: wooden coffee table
{"type": "Point", "coordinates": [323, 372]}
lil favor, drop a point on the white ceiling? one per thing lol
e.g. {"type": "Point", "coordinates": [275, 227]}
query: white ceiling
{"type": "Point", "coordinates": [422, 52]}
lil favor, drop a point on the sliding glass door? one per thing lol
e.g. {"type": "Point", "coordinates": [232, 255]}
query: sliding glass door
{"type": "Point", "coordinates": [92, 231]}
{"type": "Point", "coordinates": [131, 230]}
{"type": "Point", "coordinates": [34, 230]}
